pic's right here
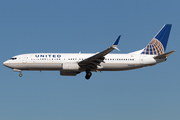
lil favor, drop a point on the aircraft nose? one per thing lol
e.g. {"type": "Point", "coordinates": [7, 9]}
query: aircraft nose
{"type": "Point", "coordinates": [5, 63]}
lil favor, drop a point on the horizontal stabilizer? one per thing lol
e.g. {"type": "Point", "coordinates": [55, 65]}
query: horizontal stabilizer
{"type": "Point", "coordinates": [165, 55]}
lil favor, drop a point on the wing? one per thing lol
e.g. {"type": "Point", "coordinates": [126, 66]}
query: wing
{"type": "Point", "coordinates": [94, 61]}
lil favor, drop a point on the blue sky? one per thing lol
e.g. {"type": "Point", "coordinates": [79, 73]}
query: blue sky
{"type": "Point", "coordinates": [88, 26]}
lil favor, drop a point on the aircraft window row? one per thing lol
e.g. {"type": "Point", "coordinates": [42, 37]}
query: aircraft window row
{"type": "Point", "coordinates": [57, 59]}
{"type": "Point", "coordinates": [75, 59]}
{"type": "Point", "coordinates": [72, 58]}
{"type": "Point", "coordinates": [47, 59]}
{"type": "Point", "coordinates": [119, 59]}
{"type": "Point", "coordinates": [13, 58]}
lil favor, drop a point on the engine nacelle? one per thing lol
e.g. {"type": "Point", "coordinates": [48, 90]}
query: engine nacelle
{"type": "Point", "coordinates": [70, 66]}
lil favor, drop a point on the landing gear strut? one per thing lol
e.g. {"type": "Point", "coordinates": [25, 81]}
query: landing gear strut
{"type": "Point", "coordinates": [17, 70]}
{"type": "Point", "coordinates": [88, 74]}
{"type": "Point", "coordinates": [20, 74]}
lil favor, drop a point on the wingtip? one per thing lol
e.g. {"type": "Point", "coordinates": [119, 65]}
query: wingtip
{"type": "Point", "coordinates": [117, 40]}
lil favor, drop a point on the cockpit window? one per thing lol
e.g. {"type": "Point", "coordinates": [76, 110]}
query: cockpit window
{"type": "Point", "coordinates": [13, 58]}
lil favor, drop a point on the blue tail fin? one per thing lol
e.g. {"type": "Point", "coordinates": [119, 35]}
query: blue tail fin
{"type": "Point", "coordinates": [158, 44]}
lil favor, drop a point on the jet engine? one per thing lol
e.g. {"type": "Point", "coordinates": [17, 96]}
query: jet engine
{"type": "Point", "coordinates": [70, 66]}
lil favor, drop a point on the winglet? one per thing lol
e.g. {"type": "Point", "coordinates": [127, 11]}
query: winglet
{"type": "Point", "coordinates": [116, 43]}
{"type": "Point", "coordinates": [117, 40]}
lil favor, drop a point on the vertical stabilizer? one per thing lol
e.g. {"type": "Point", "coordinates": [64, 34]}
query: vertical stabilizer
{"type": "Point", "coordinates": [158, 44]}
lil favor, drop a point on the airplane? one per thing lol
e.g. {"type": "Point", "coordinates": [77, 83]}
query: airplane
{"type": "Point", "coordinates": [71, 64]}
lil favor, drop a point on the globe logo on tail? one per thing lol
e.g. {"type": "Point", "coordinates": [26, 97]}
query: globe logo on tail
{"type": "Point", "coordinates": [155, 47]}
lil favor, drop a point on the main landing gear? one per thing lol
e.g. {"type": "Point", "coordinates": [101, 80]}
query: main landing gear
{"type": "Point", "coordinates": [88, 74]}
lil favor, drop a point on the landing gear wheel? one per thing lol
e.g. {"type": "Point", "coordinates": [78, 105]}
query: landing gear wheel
{"type": "Point", "coordinates": [88, 75]}
{"type": "Point", "coordinates": [20, 75]}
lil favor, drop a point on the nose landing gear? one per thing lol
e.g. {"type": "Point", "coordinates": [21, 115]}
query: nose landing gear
{"type": "Point", "coordinates": [88, 74]}
{"type": "Point", "coordinates": [17, 70]}
{"type": "Point", "coordinates": [20, 75]}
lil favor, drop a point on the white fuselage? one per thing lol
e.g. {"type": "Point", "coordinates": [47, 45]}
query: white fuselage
{"type": "Point", "coordinates": [55, 61]}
